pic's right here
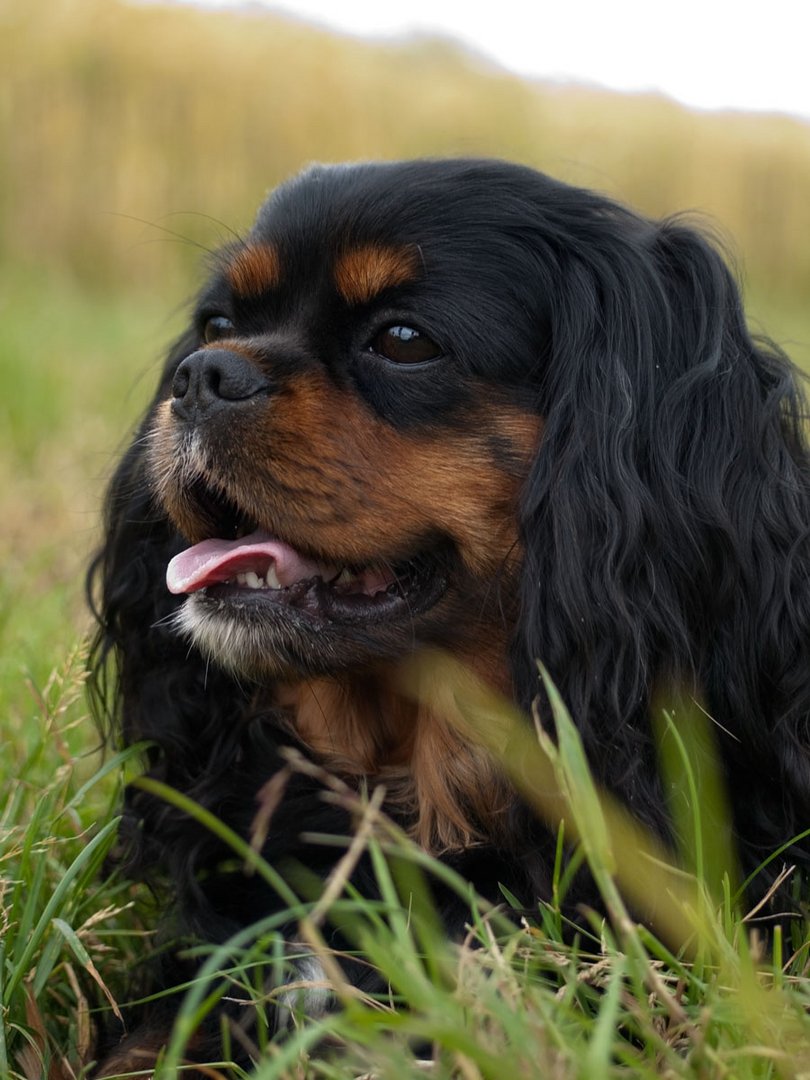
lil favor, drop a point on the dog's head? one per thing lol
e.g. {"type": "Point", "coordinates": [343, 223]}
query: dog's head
{"type": "Point", "coordinates": [458, 403]}
{"type": "Point", "coordinates": [344, 436]}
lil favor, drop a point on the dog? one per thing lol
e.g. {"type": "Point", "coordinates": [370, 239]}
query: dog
{"type": "Point", "coordinates": [451, 404]}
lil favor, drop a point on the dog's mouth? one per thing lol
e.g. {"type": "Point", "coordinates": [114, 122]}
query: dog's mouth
{"type": "Point", "coordinates": [246, 567]}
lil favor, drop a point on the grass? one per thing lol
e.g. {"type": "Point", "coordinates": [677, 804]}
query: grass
{"type": "Point", "coordinates": [113, 112]}
{"type": "Point", "coordinates": [516, 1000]}
{"type": "Point", "coordinates": [53, 838]}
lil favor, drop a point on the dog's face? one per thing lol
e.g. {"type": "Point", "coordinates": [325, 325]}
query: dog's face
{"type": "Point", "coordinates": [343, 435]}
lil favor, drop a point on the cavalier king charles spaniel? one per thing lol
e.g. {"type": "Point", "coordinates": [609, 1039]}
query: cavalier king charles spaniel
{"type": "Point", "coordinates": [455, 405]}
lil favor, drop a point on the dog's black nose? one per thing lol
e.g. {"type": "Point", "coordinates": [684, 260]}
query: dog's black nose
{"type": "Point", "coordinates": [213, 379]}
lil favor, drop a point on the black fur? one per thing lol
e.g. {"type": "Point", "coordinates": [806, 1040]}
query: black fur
{"type": "Point", "coordinates": [664, 521]}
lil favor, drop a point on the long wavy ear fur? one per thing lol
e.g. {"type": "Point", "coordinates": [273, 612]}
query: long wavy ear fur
{"type": "Point", "coordinates": [666, 520]}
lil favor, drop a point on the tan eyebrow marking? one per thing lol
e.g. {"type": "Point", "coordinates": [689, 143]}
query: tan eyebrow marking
{"type": "Point", "coordinates": [363, 272]}
{"type": "Point", "coordinates": [254, 269]}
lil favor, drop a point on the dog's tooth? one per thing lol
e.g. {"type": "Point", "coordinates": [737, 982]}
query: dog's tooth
{"type": "Point", "coordinates": [346, 577]}
{"type": "Point", "coordinates": [271, 578]}
{"type": "Point", "coordinates": [240, 579]}
{"type": "Point", "coordinates": [253, 581]}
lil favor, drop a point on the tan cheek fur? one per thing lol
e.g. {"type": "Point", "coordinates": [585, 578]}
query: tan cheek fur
{"type": "Point", "coordinates": [359, 487]}
{"type": "Point", "coordinates": [341, 481]}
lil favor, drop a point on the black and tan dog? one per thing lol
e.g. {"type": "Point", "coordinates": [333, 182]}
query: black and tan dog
{"type": "Point", "coordinates": [455, 404]}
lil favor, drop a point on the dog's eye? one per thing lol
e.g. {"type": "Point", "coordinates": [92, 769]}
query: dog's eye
{"type": "Point", "coordinates": [405, 345]}
{"type": "Point", "coordinates": [218, 326]}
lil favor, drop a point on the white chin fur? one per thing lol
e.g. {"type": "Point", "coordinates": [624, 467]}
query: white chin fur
{"type": "Point", "coordinates": [256, 645]}
{"type": "Point", "coordinates": [233, 643]}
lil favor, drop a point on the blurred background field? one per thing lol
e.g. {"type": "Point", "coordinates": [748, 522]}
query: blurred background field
{"type": "Point", "coordinates": [136, 137]}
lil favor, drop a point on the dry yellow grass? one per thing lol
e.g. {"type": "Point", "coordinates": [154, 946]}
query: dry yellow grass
{"type": "Point", "coordinates": [151, 111]}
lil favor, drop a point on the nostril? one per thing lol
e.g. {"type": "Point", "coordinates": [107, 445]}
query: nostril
{"type": "Point", "coordinates": [181, 381]}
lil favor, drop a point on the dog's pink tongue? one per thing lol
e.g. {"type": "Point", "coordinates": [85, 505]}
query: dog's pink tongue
{"type": "Point", "coordinates": [218, 560]}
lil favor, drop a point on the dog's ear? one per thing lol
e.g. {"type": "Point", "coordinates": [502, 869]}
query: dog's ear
{"type": "Point", "coordinates": [665, 513]}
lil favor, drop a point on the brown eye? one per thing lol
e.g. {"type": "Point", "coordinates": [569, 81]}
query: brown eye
{"type": "Point", "coordinates": [405, 345]}
{"type": "Point", "coordinates": [218, 326]}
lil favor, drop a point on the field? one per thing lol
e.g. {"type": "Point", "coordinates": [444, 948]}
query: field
{"type": "Point", "coordinates": [122, 168]}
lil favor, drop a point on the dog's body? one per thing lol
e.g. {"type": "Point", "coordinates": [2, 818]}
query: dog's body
{"type": "Point", "coordinates": [455, 404]}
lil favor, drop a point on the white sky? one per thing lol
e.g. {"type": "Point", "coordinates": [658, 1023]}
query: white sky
{"type": "Point", "coordinates": [743, 54]}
